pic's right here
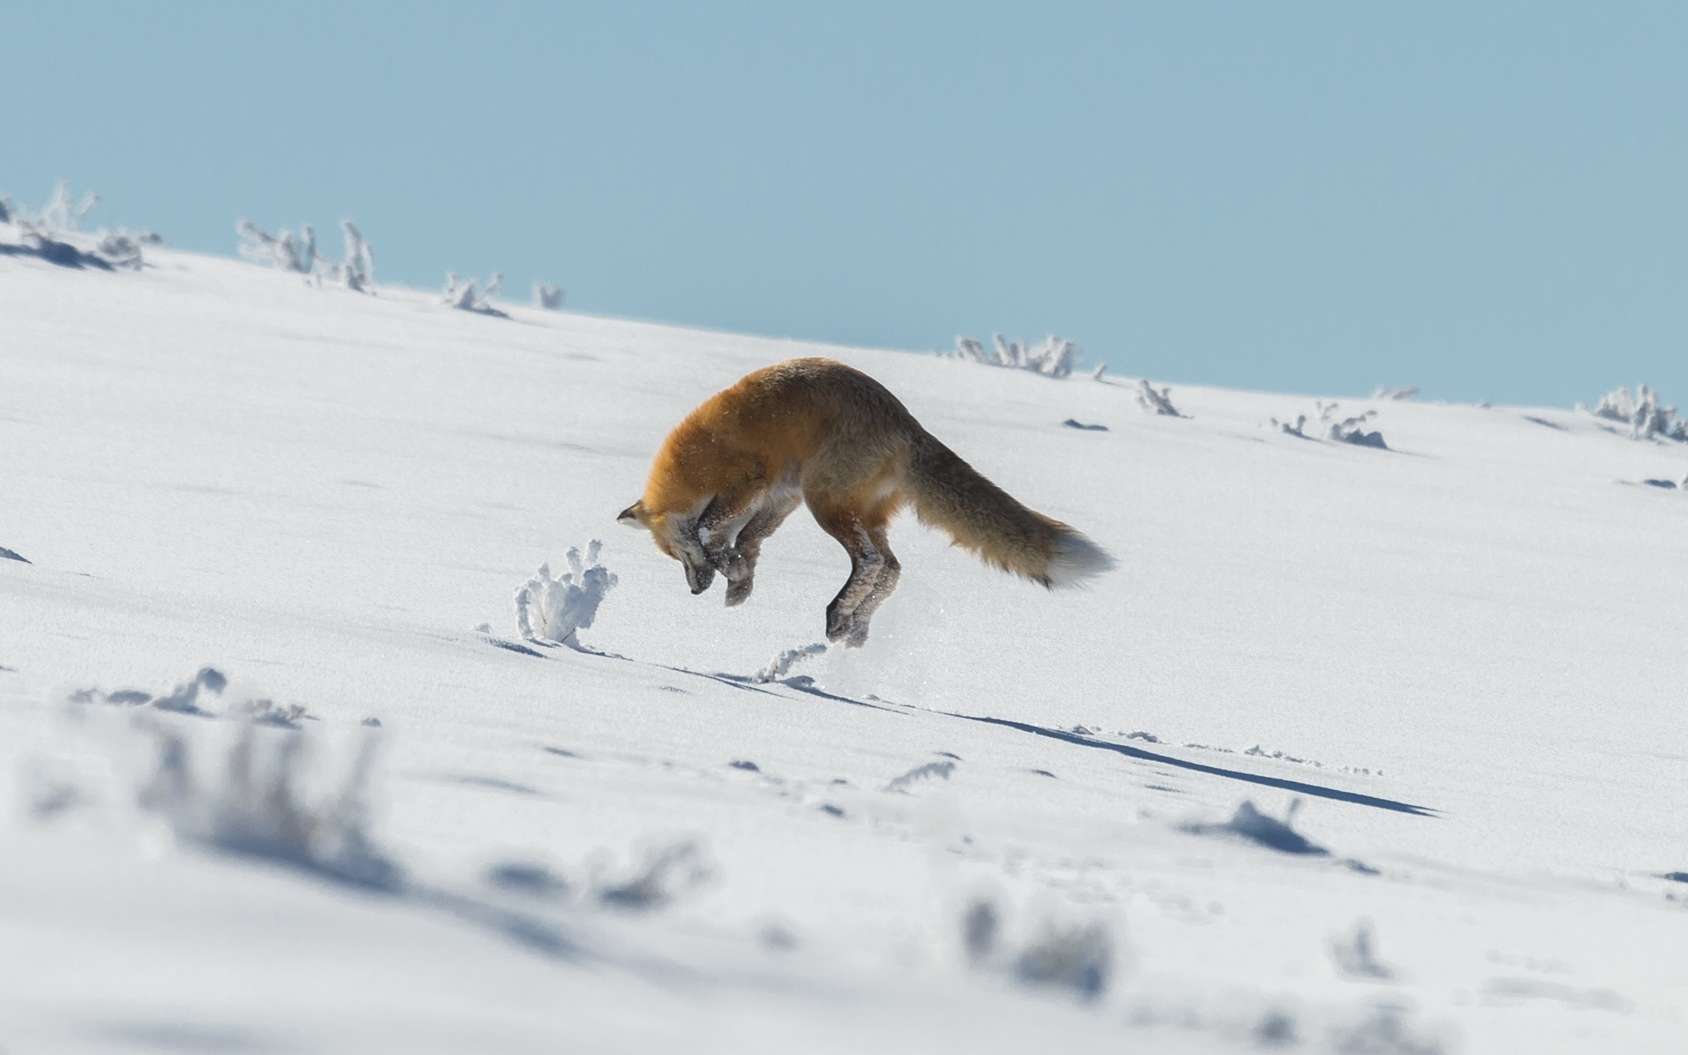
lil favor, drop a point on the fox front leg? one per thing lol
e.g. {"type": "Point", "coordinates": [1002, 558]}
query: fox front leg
{"type": "Point", "coordinates": [723, 534]}
{"type": "Point", "coordinates": [741, 567]}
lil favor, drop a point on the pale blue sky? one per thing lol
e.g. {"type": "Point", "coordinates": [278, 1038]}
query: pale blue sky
{"type": "Point", "coordinates": [1485, 199]}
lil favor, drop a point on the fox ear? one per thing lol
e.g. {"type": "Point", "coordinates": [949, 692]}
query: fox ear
{"type": "Point", "coordinates": [633, 515]}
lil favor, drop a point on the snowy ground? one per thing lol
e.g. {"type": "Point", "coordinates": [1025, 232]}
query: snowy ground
{"type": "Point", "coordinates": [1016, 821]}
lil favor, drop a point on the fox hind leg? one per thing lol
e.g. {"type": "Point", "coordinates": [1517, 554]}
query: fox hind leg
{"type": "Point", "coordinates": [874, 571]}
{"type": "Point", "coordinates": [883, 584]}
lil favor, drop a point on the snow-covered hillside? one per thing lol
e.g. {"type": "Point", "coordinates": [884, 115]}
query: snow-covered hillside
{"type": "Point", "coordinates": [1359, 750]}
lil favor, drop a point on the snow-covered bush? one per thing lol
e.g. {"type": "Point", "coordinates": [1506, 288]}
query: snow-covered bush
{"type": "Point", "coordinates": [1270, 832]}
{"type": "Point", "coordinates": [1051, 357]}
{"type": "Point", "coordinates": [466, 294]}
{"type": "Point", "coordinates": [121, 250]}
{"type": "Point", "coordinates": [1298, 427]}
{"type": "Point", "coordinates": [298, 253]}
{"type": "Point", "coordinates": [1355, 954]}
{"type": "Point", "coordinates": [1352, 430]}
{"type": "Point", "coordinates": [54, 234]}
{"type": "Point", "coordinates": [782, 664]}
{"type": "Point", "coordinates": [33, 241]}
{"type": "Point", "coordinates": [1395, 394]}
{"type": "Point", "coordinates": [1154, 402]}
{"type": "Point", "coordinates": [285, 250]}
{"type": "Point", "coordinates": [926, 771]}
{"type": "Point", "coordinates": [551, 610]}
{"type": "Point", "coordinates": [250, 801]}
{"type": "Point", "coordinates": [357, 271]}
{"type": "Point", "coordinates": [666, 873]}
{"type": "Point", "coordinates": [202, 696]}
{"type": "Point", "coordinates": [1643, 414]}
{"type": "Point", "coordinates": [1335, 428]}
{"type": "Point", "coordinates": [547, 296]}
{"type": "Point", "coordinates": [1076, 956]}
{"type": "Point", "coordinates": [63, 212]}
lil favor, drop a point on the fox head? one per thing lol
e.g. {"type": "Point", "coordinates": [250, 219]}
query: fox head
{"type": "Point", "coordinates": [676, 537]}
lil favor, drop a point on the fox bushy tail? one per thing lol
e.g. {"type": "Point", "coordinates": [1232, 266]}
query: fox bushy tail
{"type": "Point", "coordinates": [983, 518]}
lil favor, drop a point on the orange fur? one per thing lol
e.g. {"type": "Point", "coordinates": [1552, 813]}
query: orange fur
{"type": "Point", "coordinates": [854, 453]}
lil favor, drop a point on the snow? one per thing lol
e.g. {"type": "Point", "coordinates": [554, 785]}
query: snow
{"type": "Point", "coordinates": [1462, 656]}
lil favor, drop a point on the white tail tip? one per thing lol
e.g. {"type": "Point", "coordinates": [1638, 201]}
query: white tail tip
{"type": "Point", "coordinates": [1074, 559]}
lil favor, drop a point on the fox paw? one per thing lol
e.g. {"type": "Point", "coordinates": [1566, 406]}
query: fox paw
{"type": "Point", "coordinates": [838, 624]}
{"type": "Point", "coordinates": [737, 591]}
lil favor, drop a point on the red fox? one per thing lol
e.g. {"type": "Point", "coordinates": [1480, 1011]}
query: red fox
{"type": "Point", "coordinates": [825, 434]}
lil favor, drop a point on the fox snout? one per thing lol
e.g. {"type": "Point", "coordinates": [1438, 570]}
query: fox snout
{"type": "Point", "coordinates": [698, 578]}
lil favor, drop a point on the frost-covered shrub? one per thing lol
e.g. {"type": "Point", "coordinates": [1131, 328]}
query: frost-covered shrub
{"type": "Point", "coordinates": [1352, 430]}
{"type": "Point", "coordinates": [1355, 954]}
{"type": "Point", "coordinates": [667, 872]}
{"type": "Point", "coordinates": [1255, 826]}
{"type": "Point", "coordinates": [284, 250]}
{"type": "Point", "coordinates": [65, 213]}
{"type": "Point", "coordinates": [1052, 357]}
{"type": "Point", "coordinates": [1395, 394]}
{"type": "Point", "coordinates": [551, 610]}
{"type": "Point", "coordinates": [251, 802]}
{"type": "Point", "coordinates": [1298, 427]}
{"type": "Point", "coordinates": [36, 242]}
{"type": "Point", "coordinates": [54, 234]}
{"type": "Point", "coordinates": [782, 664]}
{"type": "Point", "coordinates": [1335, 428]}
{"type": "Point", "coordinates": [298, 253]}
{"type": "Point", "coordinates": [1251, 824]}
{"type": "Point", "coordinates": [357, 271]}
{"type": "Point", "coordinates": [1643, 414]}
{"type": "Point", "coordinates": [547, 296]}
{"type": "Point", "coordinates": [121, 251]}
{"type": "Point", "coordinates": [203, 696]}
{"type": "Point", "coordinates": [466, 294]}
{"type": "Point", "coordinates": [1076, 956]}
{"type": "Point", "coordinates": [1154, 402]}
{"type": "Point", "coordinates": [927, 771]}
